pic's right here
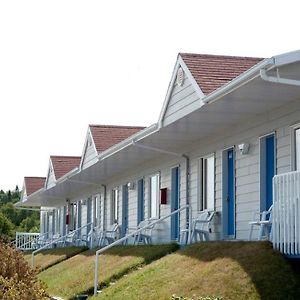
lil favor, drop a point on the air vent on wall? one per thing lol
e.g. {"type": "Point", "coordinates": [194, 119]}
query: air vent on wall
{"type": "Point", "coordinates": [180, 77]}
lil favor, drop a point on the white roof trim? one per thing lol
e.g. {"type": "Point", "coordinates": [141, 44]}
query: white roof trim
{"type": "Point", "coordinates": [129, 141]}
{"type": "Point", "coordinates": [252, 73]}
{"type": "Point", "coordinates": [286, 58]}
{"type": "Point", "coordinates": [179, 63]}
{"type": "Point", "coordinates": [237, 82]}
{"type": "Point", "coordinates": [47, 178]}
{"type": "Point", "coordinates": [89, 133]}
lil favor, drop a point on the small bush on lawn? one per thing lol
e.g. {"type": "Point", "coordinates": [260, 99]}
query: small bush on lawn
{"type": "Point", "coordinates": [17, 280]}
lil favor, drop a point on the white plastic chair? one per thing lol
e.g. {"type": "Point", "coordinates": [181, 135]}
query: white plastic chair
{"type": "Point", "coordinates": [264, 221]}
{"type": "Point", "coordinates": [145, 236]}
{"type": "Point", "coordinates": [200, 228]}
{"type": "Point", "coordinates": [111, 235]}
{"type": "Point", "coordinates": [70, 239]}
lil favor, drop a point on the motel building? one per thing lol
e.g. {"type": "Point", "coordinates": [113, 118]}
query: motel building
{"type": "Point", "coordinates": [222, 162]}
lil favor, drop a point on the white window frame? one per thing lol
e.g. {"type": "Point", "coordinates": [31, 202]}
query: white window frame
{"type": "Point", "coordinates": [114, 205]}
{"type": "Point", "coordinates": [153, 211]}
{"type": "Point", "coordinates": [204, 203]}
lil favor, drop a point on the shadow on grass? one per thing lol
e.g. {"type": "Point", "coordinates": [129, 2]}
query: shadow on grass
{"type": "Point", "coordinates": [113, 264]}
{"type": "Point", "coordinates": [271, 275]}
{"type": "Point", "coordinates": [148, 253]}
{"type": "Point", "coordinates": [50, 257]}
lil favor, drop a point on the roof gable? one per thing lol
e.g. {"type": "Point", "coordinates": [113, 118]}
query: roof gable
{"type": "Point", "coordinates": [101, 137]}
{"type": "Point", "coordinates": [33, 184]}
{"type": "Point", "coordinates": [105, 136]}
{"type": "Point", "coordinates": [64, 164]}
{"type": "Point", "coordinates": [213, 71]}
{"type": "Point", "coordinates": [202, 75]}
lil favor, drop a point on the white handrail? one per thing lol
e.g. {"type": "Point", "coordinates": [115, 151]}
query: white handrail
{"type": "Point", "coordinates": [126, 237]}
{"type": "Point", "coordinates": [57, 240]}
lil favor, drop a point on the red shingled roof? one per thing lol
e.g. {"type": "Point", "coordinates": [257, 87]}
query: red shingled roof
{"type": "Point", "coordinates": [105, 136]}
{"type": "Point", "coordinates": [213, 71]}
{"type": "Point", "coordinates": [64, 164]}
{"type": "Point", "coordinates": [33, 184]}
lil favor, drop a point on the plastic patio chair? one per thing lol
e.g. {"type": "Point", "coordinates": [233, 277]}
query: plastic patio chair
{"type": "Point", "coordinates": [145, 236]}
{"type": "Point", "coordinates": [111, 235]}
{"type": "Point", "coordinates": [200, 228]}
{"type": "Point", "coordinates": [264, 221]}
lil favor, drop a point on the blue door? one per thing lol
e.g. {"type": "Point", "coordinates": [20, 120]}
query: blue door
{"type": "Point", "coordinates": [174, 203]}
{"type": "Point", "coordinates": [270, 169]}
{"type": "Point", "coordinates": [230, 193]}
{"type": "Point", "coordinates": [141, 200]}
{"type": "Point", "coordinates": [124, 209]}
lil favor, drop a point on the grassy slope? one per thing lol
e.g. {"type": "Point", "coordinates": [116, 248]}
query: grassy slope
{"type": "Point", "coordinates": [75, 275]}
{"type": "Point", "coordinates": [232, 270]}
{"type": "Point", "coordinates": [50, 257]}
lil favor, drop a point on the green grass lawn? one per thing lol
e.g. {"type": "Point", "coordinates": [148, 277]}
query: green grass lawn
{"type": "Point", "coordinates": [50, 257]}
{"type": "Point", "coordinates": [75, 275]}
{"type": "Point", "coordinates": [231, 270]}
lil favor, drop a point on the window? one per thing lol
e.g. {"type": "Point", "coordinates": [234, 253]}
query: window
{"type": "Point", "coordinates": [154, 196]}
{"type": "Point", "coordinates": [114, 206]}
{"type": "Point", "coordinates": [297, 149]}
{"type": "Point", "coordinates": [73, 214]}
{"type": "Point", "coordinates": [98, 210]}
{"type": "Point", "coordinates": [207, 183]}
{"type": "Point", "coordinates": [58, 220]}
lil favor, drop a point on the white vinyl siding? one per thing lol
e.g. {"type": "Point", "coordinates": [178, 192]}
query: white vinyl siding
{"type": "Point", "coordinates": [183, 100]}
{"type": "Point", "coordinates": [90, 154]}
{"type": "Point", "coordinates": [153, 196]}
{"type": "Point", "coordinates": [50, 181]}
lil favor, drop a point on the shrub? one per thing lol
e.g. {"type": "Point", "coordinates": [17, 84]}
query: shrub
{"type": "Point", "coordinates": [17, 280]}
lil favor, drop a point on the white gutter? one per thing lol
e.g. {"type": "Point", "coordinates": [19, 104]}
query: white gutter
{"type": "Point", "coordinates": [239, 81]}
{"type": "Point", "coordinates": [129, 141]}
{"type": "Point", "coordinates": [134, 143]}
{"type": "Point", "coordinates": [84, 182]}
{"type": "Point", "coordinates": [259, 70]}
{"type": "Point", "coordinates": [277, 79]}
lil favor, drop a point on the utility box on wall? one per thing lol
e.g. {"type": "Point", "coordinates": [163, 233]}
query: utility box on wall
{"type": "Point", "coordinates": [163, 195]}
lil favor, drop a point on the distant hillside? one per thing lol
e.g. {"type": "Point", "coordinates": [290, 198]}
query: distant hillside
{"type": "Point", "coordinates": [12, 219]}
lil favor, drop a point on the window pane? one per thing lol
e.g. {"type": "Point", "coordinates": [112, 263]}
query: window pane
{"type": "Point", "coordinates": [210, 182]}
{"type": "Point", "coordinates": [297, 150]}
{"type": "Point", "coordinates": [114, 206]}
{"type": "Point", "coordinates": [153, 196]}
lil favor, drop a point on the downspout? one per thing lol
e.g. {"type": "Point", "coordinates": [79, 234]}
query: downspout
{"type": "Point", "coordinates": [187, 191]}
{"type": "Point", "coordinates": [187, 172]}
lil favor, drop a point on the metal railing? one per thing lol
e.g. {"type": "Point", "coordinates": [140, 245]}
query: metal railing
{"type": "Point", "coordinates": [26, 240]}
{"type": "Point", "coordinates": [286, 213]}
{"type": "Point", "coordinates": [63, 240]}
{"type": "Point", "coordinates": [128, 236]}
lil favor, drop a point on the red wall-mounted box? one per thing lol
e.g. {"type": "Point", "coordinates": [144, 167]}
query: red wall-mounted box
{"type": "Point", "coordinates": [163, 195]}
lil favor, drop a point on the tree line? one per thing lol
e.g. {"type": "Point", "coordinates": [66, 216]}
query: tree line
{"type": "Point", "coordinates": [13, 219]}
